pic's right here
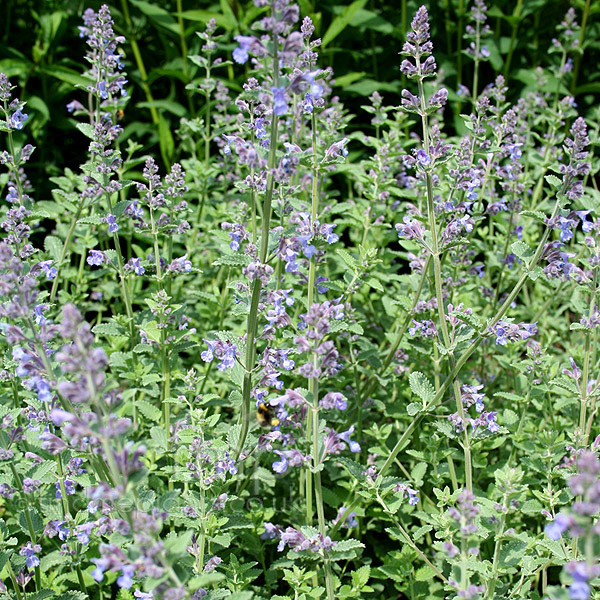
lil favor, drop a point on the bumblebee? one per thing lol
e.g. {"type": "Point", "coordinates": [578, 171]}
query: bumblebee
{"type": "Point", "coordinates": [120, 114]}
{"type": "Point", "coordinates": [265, 416]}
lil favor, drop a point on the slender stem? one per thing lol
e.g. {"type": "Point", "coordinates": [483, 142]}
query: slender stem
{"type": "Point", "coordinates": [317, 476]}
{"type": "Point", "coordinates": [11, 574]}
{"type": "Point", "coordinates": [252, 324]}
{"type": "Point", "coordinates": [372, 381]}
{"type": "Point", "coordinates": [586, 14]}
{"type": "Point", "coordinates": [497, 547]}
{"type": "Point", "coordinates": [139, 61]}
{"type": "Point", "coordinates": [32, 537]}
{"type": "Point", "coordinates": [437, 271]}
{"type": "Point", "coordinates": [586, 363]}
{"type": "Point", "coordinates": [513, 39]}
{"type": "Point", "coordinates": [65, 249]}
{"type": "Point", "coordinates": [471, 348]}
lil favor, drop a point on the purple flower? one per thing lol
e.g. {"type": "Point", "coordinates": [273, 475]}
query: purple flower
{"type": "Point", "coordinates": [423, 158]}
{"type": "Point", "coordinates": [208, 355]}
{"type": "Point", "coordinates": [336, 149]}
{"type": "Point", "coordinates": [137, 266]}
{"type": "Point", "coordinates": [345, 435]}
{"type": "Point", "coordinates": [321, 288]}
{"type": "Point", "coordinates": [327, 231]}
{"type": "Point", "coordinates": [259, 128]}
{"type": "Point", "coordinates": [579, 590]}
{"type": "Point", "coordinates": [16, 120]}
{"type": "Point", "coordinates": [280, 466]}
{"type": "Point", "coordinates": [50, 271]}
{"type": "Point", "coordinates": [501, 335]}
{"type": "Point", "coordinates": [240, 54]}
{"type": "Point", "coordinates": [565, 228]}
{"type": "Point", "coordinates": [112, 223]}
{"type": "Point", "coordinates": [75, 106]}
{"type": "Point", "coordinates": [471, 189]}
{"type": "Point", "coordinates": [96, 258]}
{"type": "Point", "coordinates": [224, 351]}
{"type": "Point", "coordinates": [350, 520]}
{"type": "Point", "coordinates": [556, 528]}
{"type": "Point", "coordinates": [492, 425]}
{"type": "Point", "coordinates": [308, 103]}
{"type": "Point", "coordinates": [181, 265]}
{"type": "Point", "coordinates": [334, 400]}
{"type": "Point", "coordinates": [212, 564]}
{"type": "Point", "coordinates": [69, 488]}
{"type": "Point", "coordinates": [102, 90]}
{"type": "Point", "coordinates": [586, 225]}
{"type": "Point", "coordinates": [83, 532]}
{"type": "Point", "coordinates": [280, 106]}
{"type": "Point", "coordinates": [30, 551]}
{"type": "Point", "coordinates": [125, 579]}
{"type": "Point", "coordinates": [13, 195]}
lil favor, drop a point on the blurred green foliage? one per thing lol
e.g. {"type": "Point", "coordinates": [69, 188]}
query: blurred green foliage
{"type": "Point", "coordinates": [40, 51]}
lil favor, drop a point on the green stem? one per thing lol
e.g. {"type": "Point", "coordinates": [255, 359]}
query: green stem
{"type": "Point", "coordinates": [32, 536]}
{"type": "Point", "coordinates": [139, 61]}
{"type": "Point", "coordinates": [497, 547]}
{"type": "Point", "coordinates": [252, 324]}
{"type": "Point", "coordinates": [409, 540]}
{"type": "Point", "coordinates": [437, 272]}
{"type": "Point", "coordinates": [471, 348]}
{"type": "Point", "coordinates": [314, 385]}
{"type": "Point", "coordinates": [11, 574]}
{"type": "Point", "coordinates": [586, 364]}
{"type": "Point", "coordinates": [65, 249]}
{"type": "Point", "coordinates": [586, 13]}
{"type": "Point", "coordinates": [513, 39]}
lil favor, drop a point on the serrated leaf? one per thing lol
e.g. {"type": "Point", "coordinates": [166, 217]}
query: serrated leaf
{"type": "Point", "coordinates": [232, 260]}
{"type": "Point", "coordinates": [53, 247]}
{"type": "Point", "coordinates": [554, 181]}
{"type": "Point", "coordinates": [522, 250]}
{"type": "Point", "coordinates": [109, 329]}
{"type": "Point", "coordinates": [347, 258]}
{"type": "Point", "coordinates": [87, 130]}
{"type": "Point", "coordinates": [148, 410]}
{"type": "Point", "coordinates": [36, 520]}
{"type": "Point", "coordinates": [159, 436]}
{"type": "Point", "coordinates": [413, 408]}
{"type": "Point", "coordinates": [421, 387]}
{"type": "Point", "coordinates": [91, 220]}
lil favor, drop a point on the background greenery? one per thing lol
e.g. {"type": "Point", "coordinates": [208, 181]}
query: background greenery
{"type": "Point", "coordinates": [40, 52]}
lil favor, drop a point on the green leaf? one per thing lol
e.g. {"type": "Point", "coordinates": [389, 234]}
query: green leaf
{"type": "Point", "coordinates": [522, 250]}
{"type": "Point", "coordinates": [109, 329]}
{"type": "Point", "coordinates": [36, 521]}
{"type": "Point", "coordinates": [159, 436]}
{"type": "Point", "coordinates": [204, 16]}
{"type": "Point", "coordinates": [421, 386]}
{"type": "Point", "coordinates": [232, 260]}
{"type": "Point", "coordinates": [169, 105]}
{"type": "Point", "coordinates": [342, 21]}
{"type": "Point", "coordinates": [165, 139]}
{"type": "Point", "coordinates": [158, 15]}
{"type": "Point", "coordinates": [554, 181]}
{"type": "Point", "coordinates": [414, 408]}
{"type": "Point", "coordinates": [347, 258]}
{"type": "Point", "coordinates": [149, 411]}
{"type": "Point", "coordinates": [41, 595]}
{"type": "Point", "coordinates": [65, 74]}
{"type": "Point", "coordinates": [53, 247]}
{"type": "Point", "coordinates": [86, 129]}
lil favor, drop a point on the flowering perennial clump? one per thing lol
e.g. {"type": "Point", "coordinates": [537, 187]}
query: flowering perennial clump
{"type": "Point", "coordinates": [257, 346]}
